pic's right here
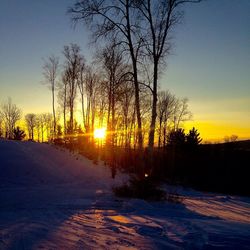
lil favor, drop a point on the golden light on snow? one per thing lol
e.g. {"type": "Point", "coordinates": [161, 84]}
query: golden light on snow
{"type": "Point", "coordinates": [100, 133]}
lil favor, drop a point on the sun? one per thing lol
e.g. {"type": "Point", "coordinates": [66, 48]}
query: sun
{"type": "Point", "coordinates": [100, 133]}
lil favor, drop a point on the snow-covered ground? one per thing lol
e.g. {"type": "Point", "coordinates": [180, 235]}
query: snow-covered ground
{"type": "Point", "coordinates": [51, 199]}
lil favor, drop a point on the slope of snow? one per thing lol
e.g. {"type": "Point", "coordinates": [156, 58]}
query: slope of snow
{"type": "Point", "coordinates": [52, 199]}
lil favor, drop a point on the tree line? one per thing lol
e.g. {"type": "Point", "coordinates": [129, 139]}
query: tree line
{"type": "Point", "coordinates": [37, 127]}
{"type": "Point", "coordinates": [142, 30]}
{"type": "Point", "coordinates": [102, 105]}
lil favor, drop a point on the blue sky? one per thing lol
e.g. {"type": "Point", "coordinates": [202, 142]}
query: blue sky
{"type": "Point", "coordinates": [209, 64]}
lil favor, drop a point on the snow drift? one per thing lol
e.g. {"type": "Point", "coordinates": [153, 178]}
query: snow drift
{"type": "Point", "coordinates": [52, 199]}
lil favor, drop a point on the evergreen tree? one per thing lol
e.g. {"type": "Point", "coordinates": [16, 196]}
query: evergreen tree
{"type": "Point", "coordinates": [193, 138]}
{"type": "Point", "coordinates": [18, 134]}
{"type": "Point", "coordinates": [176, 137]}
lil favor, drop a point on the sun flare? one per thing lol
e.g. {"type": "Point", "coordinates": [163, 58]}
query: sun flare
{"type": "Point", "coordinates": [100, 133]}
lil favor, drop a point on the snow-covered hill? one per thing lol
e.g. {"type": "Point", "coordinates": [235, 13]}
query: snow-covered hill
{"type": "Point", "coordinates": [51, 199]}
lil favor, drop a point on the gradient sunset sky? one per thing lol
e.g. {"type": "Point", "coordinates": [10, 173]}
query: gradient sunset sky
{"type": "Point", "coordinates": [210, 61]}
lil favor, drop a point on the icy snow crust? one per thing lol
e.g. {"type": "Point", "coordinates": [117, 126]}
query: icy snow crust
{"type": "Point", "coordinates": [52, 199]}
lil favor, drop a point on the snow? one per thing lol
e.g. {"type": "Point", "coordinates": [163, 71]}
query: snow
{"type": "Point", "coordinates": [53, 199]}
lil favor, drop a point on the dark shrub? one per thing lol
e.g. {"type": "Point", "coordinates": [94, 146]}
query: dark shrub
{"type": "Point", "coordinates": [18, 134]}
{"type": "Point", "coordinates": [145, 188]}
{"type": "Point", "coordinates": [176, 137]}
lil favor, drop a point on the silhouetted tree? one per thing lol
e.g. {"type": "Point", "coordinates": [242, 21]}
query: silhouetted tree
{"type": "Point", "coordinates": [38, 128]}
{"type": "Point", "coordinates": [18, 134]}
{"type": "Point", "coordinates": [143, 27]}
{"type": "Point", "coordinates": [127, 110]}
{"type": "Point", "coordinates": [48, 124]}
{"type": "Point", "coordinates": [176, 137]}
{"type": "Point", "coordinates": [181, 112]}
{"type": "Point", "coordinates": [59, 130]}
{"type": "Point", "coordinates": [62, 98]}
{"type": "Point", "coordinates": [232, 138]}
{"type": "Point", "coordinates": [91, 89]}
{"type": "Point", "coordinates": [111, 18]}
{"type": "Point", "coordinates": [50, 72]}
{"type": "Point", "coordinates": [30, 120]}
{"type": "Point", "coordinates": [159, 18]}
{"type": "Point", "coordinates": [166, 102]}
{"type": "Point", "coordinates": [116, 74]}
{"type": "Point", "coordinates": [10, 114]}
{"type": "Point", "coordinates": [41, 123]}
{"type": "Point", "coordinates": [193, 138]}
{"type": "Point", "coordinates": [81, 87]}
{"type": "Point", "coordinates": [101, 103]}
{"type": "Point", "coordinates": [73, 63]}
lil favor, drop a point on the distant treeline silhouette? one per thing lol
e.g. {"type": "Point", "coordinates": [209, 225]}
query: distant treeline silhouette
{"type": "Point", "coordinates": [209, 167]}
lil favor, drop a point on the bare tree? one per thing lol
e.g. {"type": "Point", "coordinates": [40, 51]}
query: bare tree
{"type": "Point", "coordinates": [91, 89]}
{"type": "Point", "coordinates": [159, 18]}
{"type": "Point", "coordinates": [31, 120]}
{"type": "Point", "coordinates": [181, 112]}
{"type": "Point", "coordinates": [63, 98]}
{"type": "Point", "coordinates": [42, 122]}
{"type": "Point", "coordinates": [232, 138]}
{"type": "Point", "coordinates": [38, 127]}
{"type": "Point", "coordinates": [81, 87]}
{"type": "Point", "coordinates": [48, 125]}
{"type": "Point", "coordinates": [137, 24]}
{"type": "Point", "coordinates": [166, 102]}
{"type": "Point", "coordinates": [50, 71]}
{"type": "Point", "coordinates": [126, 100]}
{"type": "Point", "coordinates": [116, 74]}
{"type": "Point", "coordinates": [73, 65]}
{"type": "Point", "coordinates": [11, 114]}
{"type": "Point", "coordinates": [111, 18]}
{"type": "Point", "coordinates": [101, 103]}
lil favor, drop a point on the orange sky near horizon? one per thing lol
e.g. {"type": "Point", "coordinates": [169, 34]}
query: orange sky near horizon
{"type": "Point", "coordinates": [219, 118]}
{"type": "Point", "coordinates": [214, 119]}
{"type": "Point", "coordinates": [213, 131]}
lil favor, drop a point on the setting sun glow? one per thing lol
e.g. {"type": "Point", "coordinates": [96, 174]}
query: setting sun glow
{"type": "Point", "coordinates": [100, 133]}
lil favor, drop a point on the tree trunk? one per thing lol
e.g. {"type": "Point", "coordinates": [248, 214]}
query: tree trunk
{"type": "Point", "coordinates": [136, 83]}
{"type": "Point", "coordinates": [71, 118]}
{"type": "Point", "coordinates": [160, 130]}
{"type": "Point", "coordinates": [154, 107]}
{"type": "Point", "coordinates": [137, 107]}
{"type": "Point", "coordinates": [42, 130]}
{"type": "Point", "coordinates": [54, 114]}
{"type": "Point", "coordinates": [83, 114]}
{"type": "Point", "coordinates": [113, 114]}
{"type": "Point", "coordinates": [64, 120]}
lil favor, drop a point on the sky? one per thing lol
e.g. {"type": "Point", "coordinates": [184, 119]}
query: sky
{"type": "Point", "coordinates": [209, 62]}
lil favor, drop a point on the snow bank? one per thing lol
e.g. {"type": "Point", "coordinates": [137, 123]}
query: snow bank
{"type": "Point", "coordinates": [52, 199]}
